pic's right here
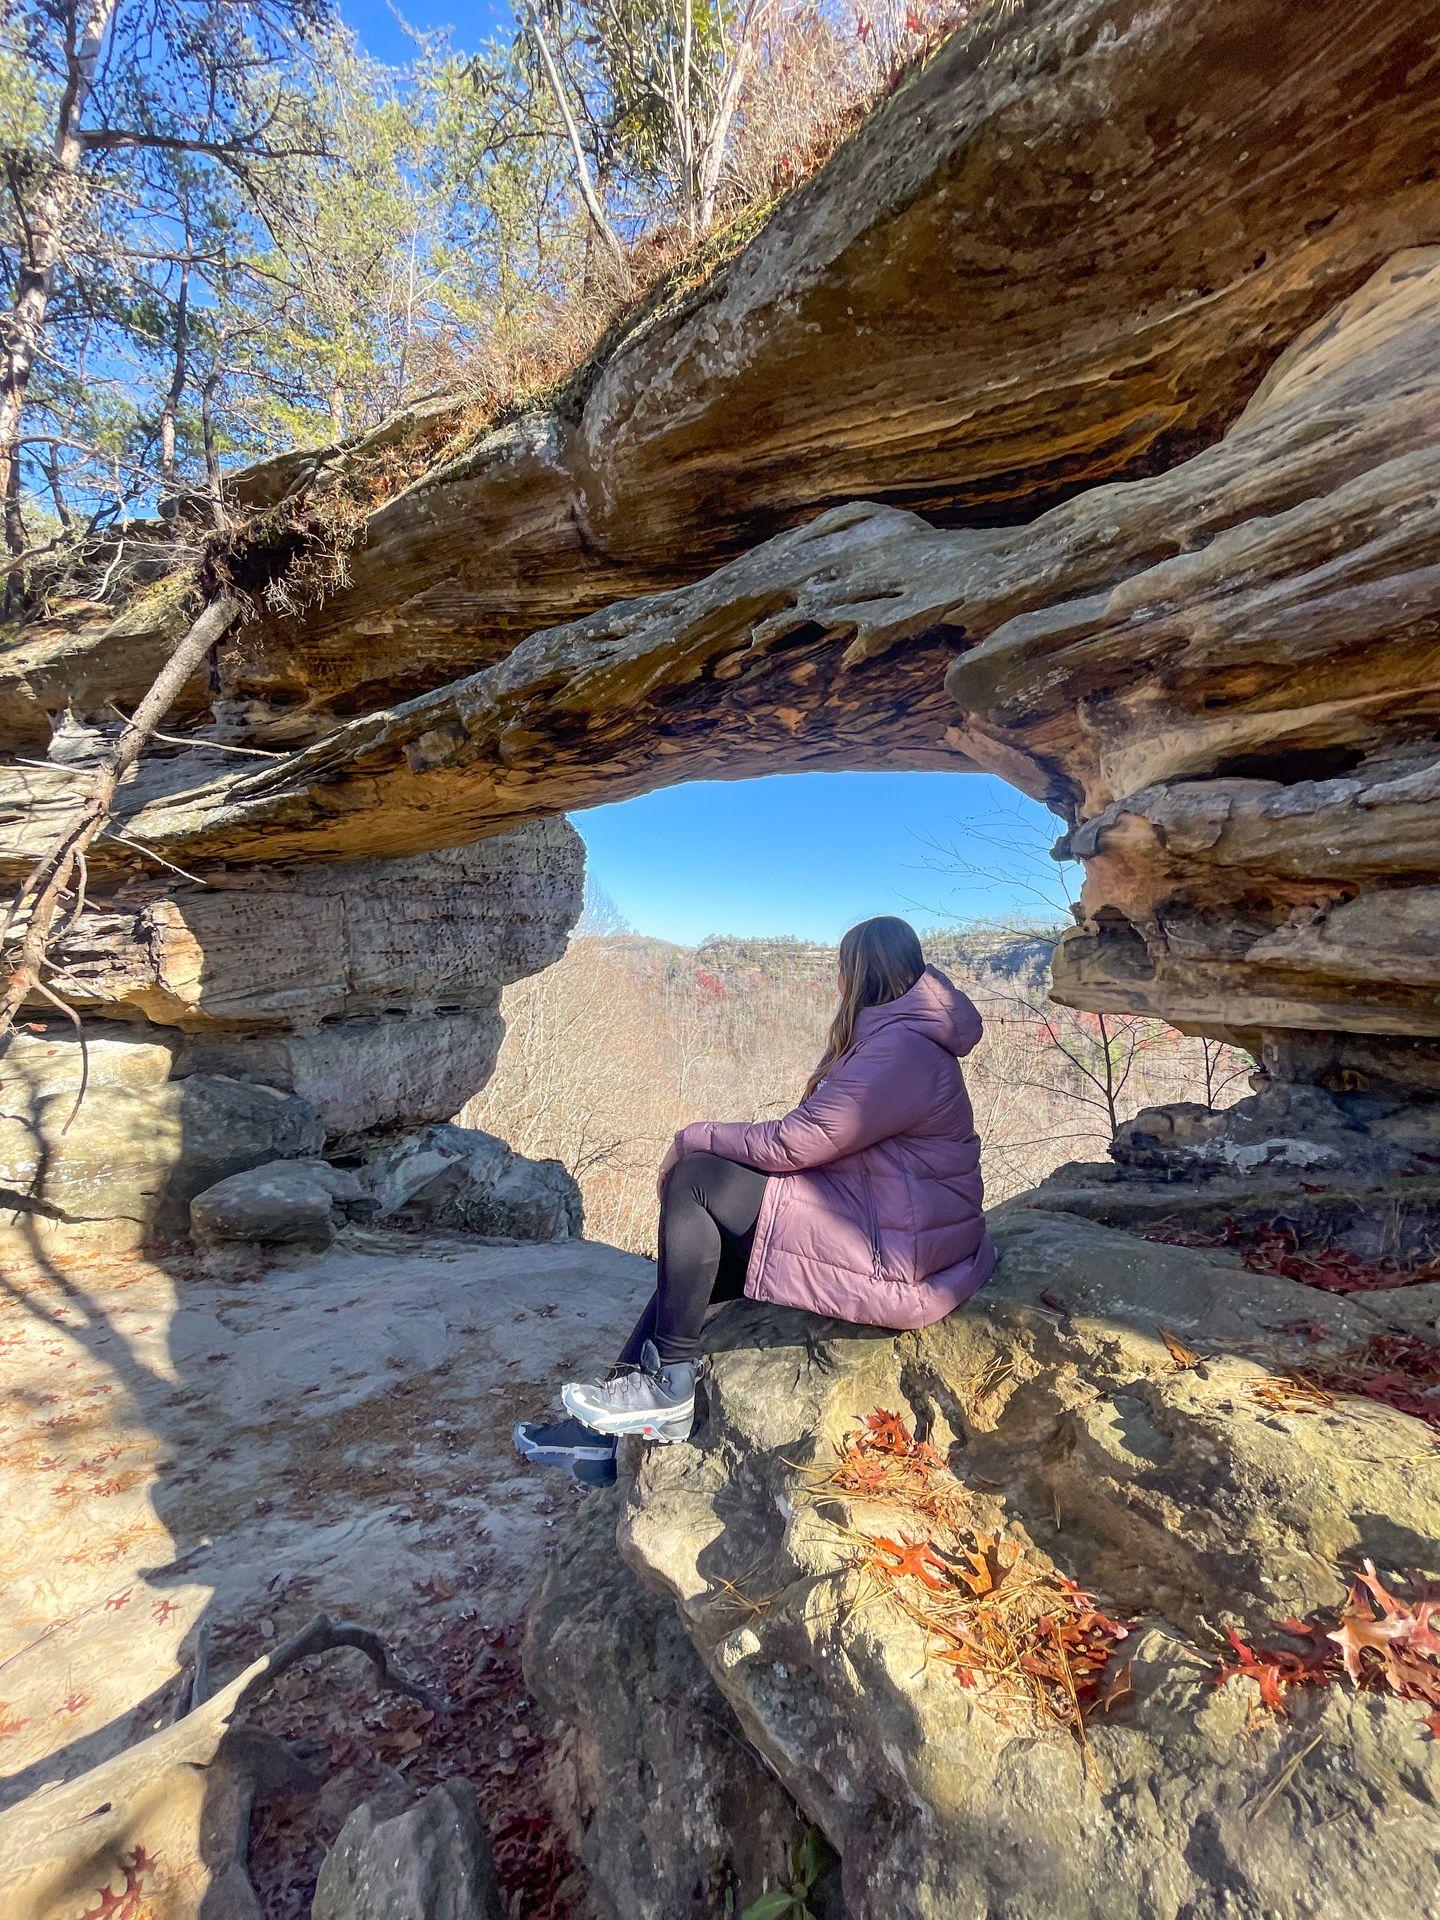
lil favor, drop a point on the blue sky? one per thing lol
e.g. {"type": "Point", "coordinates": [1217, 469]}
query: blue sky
{"type": "Point", "coordinates": [809, 853]}
{"type": "Point", "coordinates": [793, 853]}
{"type": "Point", "coordinates": [379, 28]}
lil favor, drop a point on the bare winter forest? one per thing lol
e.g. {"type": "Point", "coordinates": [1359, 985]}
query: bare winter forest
{"type": "Point", "coordinates": [612, 1050]}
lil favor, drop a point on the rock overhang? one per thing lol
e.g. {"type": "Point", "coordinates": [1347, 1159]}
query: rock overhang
{"type": "Point", "coordinates": [1134, 304]}
{"type": "Point", "coordinates": [1066, 251]}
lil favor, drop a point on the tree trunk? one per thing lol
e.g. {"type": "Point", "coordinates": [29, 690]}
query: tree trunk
{"type": "Point", "coordinates": [717, 134]}
{"type": "Point", "coordinates": [40, 253]}
{"type": "Point", "coordinates": [213, 483]}
{"type": "Point", "coordinates": [598, 216]}
{"type": "Point", "coordinates": [685, 122]}
{"type": "Point", "coordinates": [51, 463]}
{"type": "Point", "coordinates": [169, 412]}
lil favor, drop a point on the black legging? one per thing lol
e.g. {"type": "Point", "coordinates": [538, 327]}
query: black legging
{"type": "Point", "coordinates": [707, 1228]}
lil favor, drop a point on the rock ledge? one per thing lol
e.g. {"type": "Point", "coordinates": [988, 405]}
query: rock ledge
{"type": "Point", "coordinates": [1071, 1431]}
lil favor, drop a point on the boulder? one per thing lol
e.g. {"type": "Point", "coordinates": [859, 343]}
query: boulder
{"type": "Point", "coordinates": [1150, 1471]}
{"type": "Point", "coordinates": [141, 1145]}
{"type": "Point", "coordinates": [462, 1180]}
{"type": "Point", "coordinates": [668, 1809]}
{"type": "Point", "coordinates": [1355, 1171]}
{"type": "Point", "coordinates": [1280, 1130]}
{"type": "Point", "coordinates": [284, 1202]}
{"type": "Point", "coordinates": [366, 1074]}
{"type": "Point", "coordinates": [430, 1863]}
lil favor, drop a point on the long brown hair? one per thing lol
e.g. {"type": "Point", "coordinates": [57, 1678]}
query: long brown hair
{"type": "Point", "coordinates": [879, 960]}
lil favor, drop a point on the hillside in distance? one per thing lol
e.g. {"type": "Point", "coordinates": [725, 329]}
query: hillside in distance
{"type": "Point", "coordinates": [989, 955]}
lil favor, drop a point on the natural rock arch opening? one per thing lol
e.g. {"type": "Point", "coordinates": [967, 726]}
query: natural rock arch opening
{"type": "Point", "coordinates": [1047, 431]}
{"type": "Point", "coordinates": [1222, 676]}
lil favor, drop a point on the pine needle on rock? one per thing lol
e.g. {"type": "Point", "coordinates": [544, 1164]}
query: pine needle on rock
{"type": "Point", "coordinates": [1005, 1622]}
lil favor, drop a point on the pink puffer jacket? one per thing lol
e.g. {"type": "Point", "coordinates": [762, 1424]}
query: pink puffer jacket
{"type": "Point", "coordinates": [876, 1216]}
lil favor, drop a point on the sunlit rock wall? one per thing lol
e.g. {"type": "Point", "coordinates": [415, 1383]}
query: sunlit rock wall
{"type": "Point", "coordinates": [268, 1014]}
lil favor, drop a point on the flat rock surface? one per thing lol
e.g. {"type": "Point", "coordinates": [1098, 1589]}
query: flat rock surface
{"type": "Point", "coordinates": [232, 1454]}
{"type": "Point", "coordinates": [1116, 1410]}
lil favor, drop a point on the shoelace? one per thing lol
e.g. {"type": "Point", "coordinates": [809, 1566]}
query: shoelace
{"type": "Point", "coordinates": [622, 1372]}
{"type": "Point", "coordinates": [621, 1377]}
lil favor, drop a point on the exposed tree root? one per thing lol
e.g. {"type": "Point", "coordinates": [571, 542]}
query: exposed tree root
{"type": "Point", "coordinates": [170, 1816]}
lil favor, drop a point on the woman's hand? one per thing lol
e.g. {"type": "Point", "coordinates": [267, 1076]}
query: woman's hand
{"type": "Point", "coordinates": [691, 1139]}
{"type": "Point", "coordinates": [671, 1160]}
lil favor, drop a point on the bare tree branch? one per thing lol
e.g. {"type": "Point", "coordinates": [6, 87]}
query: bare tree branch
{"type": "Point", "coordinates": [44, 889]}
{"type": "Point", "coordinates": [238, 147]}
{"type": "Point", "coordinates": [598, 217]}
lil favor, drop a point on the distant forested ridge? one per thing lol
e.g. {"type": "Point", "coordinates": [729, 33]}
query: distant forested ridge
{"type": "Point", "coordinates": [985, 953]}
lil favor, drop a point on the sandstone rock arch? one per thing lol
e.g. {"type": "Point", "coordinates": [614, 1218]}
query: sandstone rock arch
{"type": "Point", "coordinates": [1078, 422]}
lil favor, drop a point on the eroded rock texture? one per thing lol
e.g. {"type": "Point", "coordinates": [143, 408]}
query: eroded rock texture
{"type": "Point", "coordinates": [276, 1013]}
{"type": "Point", "coordinates": [1077, 422]}
{"type": "Point", "coordinates": [1069, 1431]}
{"type": "Point", "coordinates": [432, 1862]}
{"type": "Point", "coordinates": [1228, 676]}
{"type": "Point", "coordinates": [672, 1813]}
{"type": "Point", "coordinates": [1066, 251]}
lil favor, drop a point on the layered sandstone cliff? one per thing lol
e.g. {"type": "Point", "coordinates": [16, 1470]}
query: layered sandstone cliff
{"type": "Point", "coordinates": [268, 1013]}
{"type": "Point", "coordinates": [1077, 422]}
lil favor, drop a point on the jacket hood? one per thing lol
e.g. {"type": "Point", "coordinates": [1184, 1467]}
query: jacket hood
{"type": "Point", "coordinates": [934, 1006]}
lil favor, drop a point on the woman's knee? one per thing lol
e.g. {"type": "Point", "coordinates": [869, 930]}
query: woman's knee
{"type": "Point", "coordinates": [694, 1172]}
{"type": "Point", "coordinates": [730, 1193]}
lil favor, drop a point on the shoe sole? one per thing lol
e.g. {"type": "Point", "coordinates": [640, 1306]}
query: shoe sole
{"type": "Point", "coordinates": [556, 1456]}
{"type": "Point", "coordinates": [667, 1429]}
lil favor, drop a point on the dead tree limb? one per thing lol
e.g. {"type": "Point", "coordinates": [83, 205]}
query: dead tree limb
{"type": "Point", "coordinates": [175, 1807]}
{"type": "Point", "coordinates": [324, 1635]}
{"type": "Point", "coordinates": [195, 1685]}
{"type": "Point", "coordinates": [43, 891]}
{"type": "Point", "coordinates": [599, 219]}
{"type": "Point", "coordinates": [79, 1025]}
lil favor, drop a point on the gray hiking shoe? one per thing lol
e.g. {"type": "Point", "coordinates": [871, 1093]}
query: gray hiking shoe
{"type": "Point", "coordinates": [654, 1400]}
{"type": "Point", "coordinates": [560, 1443]}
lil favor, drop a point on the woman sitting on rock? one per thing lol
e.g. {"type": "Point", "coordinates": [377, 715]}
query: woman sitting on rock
{"type": "Point", "coordinates": [863, 1203]}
